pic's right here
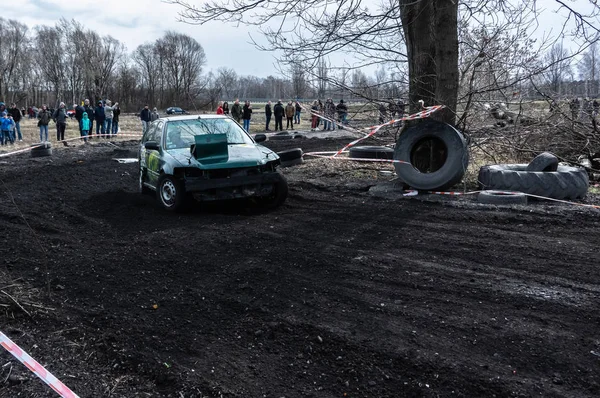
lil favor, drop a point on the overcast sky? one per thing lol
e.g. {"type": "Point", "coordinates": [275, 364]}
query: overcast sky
{"type": "Point", "coordinates": [134, 22]}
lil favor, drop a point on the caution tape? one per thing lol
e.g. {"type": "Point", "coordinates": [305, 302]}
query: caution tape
{"type": "Point", "coordinates": [374, 129]}
{"type": "Point", "coordinates": [36, 368]}
{"type": "Point", "coordinates": [426, 112]}
{"type": "Point", "coordinates": [89, 137]}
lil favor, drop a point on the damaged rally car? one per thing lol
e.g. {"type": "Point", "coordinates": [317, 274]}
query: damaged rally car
{"type": "Point", "coordinates": [207, 157]}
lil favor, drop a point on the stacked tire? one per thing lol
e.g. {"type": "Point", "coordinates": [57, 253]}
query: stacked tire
{"type": "Point", "coordinates": [543, 177]}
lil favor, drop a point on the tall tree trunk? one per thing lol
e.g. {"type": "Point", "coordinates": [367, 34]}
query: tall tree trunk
{"type": "Point", "coordinates": [431, 35]}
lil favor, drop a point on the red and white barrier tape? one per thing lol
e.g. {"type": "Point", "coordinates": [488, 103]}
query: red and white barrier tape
{"type": "Point", "coordinates": [372, 131]}
{"type": "Point", "coordinates": [36, 368]}
{"type": "Point", "coordinates": [89, 137]}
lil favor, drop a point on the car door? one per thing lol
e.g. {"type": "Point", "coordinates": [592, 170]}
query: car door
{"type": "Point", "coordinates": [153, 156]}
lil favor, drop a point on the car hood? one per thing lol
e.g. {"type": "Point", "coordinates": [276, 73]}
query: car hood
{"type": "Point", "coordinates": [240, 155]}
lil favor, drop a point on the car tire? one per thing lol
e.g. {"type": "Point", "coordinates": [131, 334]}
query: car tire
{"type": "Point", "coordinates": [278, 196]}
{"type": "Point", "coordinates": [171, 194]}
{"type": "Point", "coordinates": [502, 197]}
{"type": "Point", "coordinates": [437, 154]}
{"type": "Point", "coordinates": [545, 161]}
{"type": "Point", "coordinates": [290, 154]}
{"type": "Point", "coordinates": [290, 163]}
{"type": "Point", "coordinates": [41, 150]}
{"type": "Point", "coordinates": [281, 136]}
{"type": "Point", "coordinates": [299, 136]}
{"type": "Point", "coordinates": [143, 189]}
{"type": "Point", "coordinates": [564, 183]}
{"type": "Point", "coordinates": [371, 152]}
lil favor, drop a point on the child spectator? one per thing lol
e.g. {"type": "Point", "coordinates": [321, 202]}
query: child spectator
{"type": "Point", "coordinates": [6, 126]}
{"type": "Point", "coordinates": [85, 127]}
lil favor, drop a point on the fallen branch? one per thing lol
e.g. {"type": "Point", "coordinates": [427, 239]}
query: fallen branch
{"type": "Point", "coordinates": [16, 302]}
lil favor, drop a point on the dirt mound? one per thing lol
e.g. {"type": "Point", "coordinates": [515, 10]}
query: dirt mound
{"type": "Point", "coordinates": [334, 294]}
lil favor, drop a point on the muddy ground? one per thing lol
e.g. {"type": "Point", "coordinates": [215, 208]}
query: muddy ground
{"type": "Point", "coordinates": [336, 294]}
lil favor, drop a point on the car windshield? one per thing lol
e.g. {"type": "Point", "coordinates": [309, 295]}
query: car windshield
{"type": "Point", "coordinates": [181, 133]}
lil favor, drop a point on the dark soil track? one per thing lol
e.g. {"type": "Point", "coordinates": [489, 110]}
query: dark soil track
{"type": "Point", "coordinates": [336, 294]}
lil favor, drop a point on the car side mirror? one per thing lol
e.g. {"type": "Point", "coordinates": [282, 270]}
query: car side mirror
{"type": "Point", "coordinates": [152, 145]}
{"type": "Point", "coordinates": [260, 138]}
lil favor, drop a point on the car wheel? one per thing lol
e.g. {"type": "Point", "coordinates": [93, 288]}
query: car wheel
{"type": "Point", "coordinates": [171, 193]}
{"type": "Point", "coordinates": [278, 196]}
{"type": "Point", "coordinates": [143, 189]}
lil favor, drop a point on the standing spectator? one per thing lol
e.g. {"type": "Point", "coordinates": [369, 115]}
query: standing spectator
{"type": "Point", "coordinates": [330, 114]}
{"type": "Point", "coordinates": [108, 117]}
{"type": "Point", "coordinates": [6, 126]}
{"type": "Point", "coordinates": [44, 117]}
{"type": "Point", "coordinates": [268, 113]}
{"type": "Point", "coordinates": [220, 108]}
{"type": "Point", "coordinates": [79, 111]}
{"type": "Point", "coordinates": [226, 108]}
{"type": "Point", "coordinates": [236, 110]}
{"type": "Point", "coordinates": [382, 113]}
{"type": "Point", "coordinates": [16, 115]}
{"type": "Point", "coordinates": [100, 117]}
{"type": "Point", "coordinates": [342, 111]}
{"type": "Point", "coordinates": [246, 115]}
{"type": "Point", "coordinates": [298, 111]}
{"type": "Point", "coordinates": [89, 109]}
{"type": "Point", "coordinates": [116, 114]}
{"type": "Point", "coordinates": [154, 115]}
{"type": "Point", "coordinates": [60, 118]}
{"type": "Point", "coordinates": [85, 126]}
{"type": "Point", "coordinates": [595, 110]}
{"type": "Point", "coordinates": [321, 108]}
{"type": "Point", "coordinates": [574, 107]}
{"type": "Point", "coordinates": [278, 111]}
{"type": "Point", "coordinates": [2, 107]}
{"type": "Point", "coordinates": [290, 111]}
{"type": "Point", "coordinates": [146, 118]}
{"type": "Point", "coordinates": [315, 115]}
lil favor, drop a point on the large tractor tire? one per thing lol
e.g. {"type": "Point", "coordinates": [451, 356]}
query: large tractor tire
{"type": "Point", "coordinates": [437, 154]}
{"type": "Point", "coordinates": [564, 183]}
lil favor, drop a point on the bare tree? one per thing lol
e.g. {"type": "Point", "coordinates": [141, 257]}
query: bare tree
{"type": "Point", "coordinates": [589, 69]}
{"type": "Point", "coordinates": [12, 36]}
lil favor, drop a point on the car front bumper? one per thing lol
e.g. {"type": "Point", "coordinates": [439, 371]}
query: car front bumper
{"type": "Point", "coordinates": [232, 187]}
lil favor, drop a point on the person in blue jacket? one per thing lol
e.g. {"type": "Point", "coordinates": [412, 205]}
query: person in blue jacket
{"type": "Point", "coordinates": [100, 118]}
{"type": "Point", "coordinates": [6, 127]}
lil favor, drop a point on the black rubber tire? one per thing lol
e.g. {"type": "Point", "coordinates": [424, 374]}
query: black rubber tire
{"type": "Point", "coordinates": [144, 190]}
{"type": "Point", "coordinates": [278, 196]}
{"type": "Point", "coordinates": [281, 136]}
{"type": "Point", "coordinates": [371, 152]}
{"type": "Point", "coordinates": [564, 183]}
{"type": "Point", "coordinates": [502, 197]}
{"type": "Point", "coordinates": [290, 163]}
{"type": "Point", "coordinates": [171, 194]}
{"type": "Point", "coordinates": [41, 152]}
{"type": "Point", "coordinates": [299, 136]}
{"type": "Point", "coordinates": [451, 169]}
{"type": "Point", "coordinates": [545, 161]}
{"type": "Point", "coordinates": [290, 154]}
